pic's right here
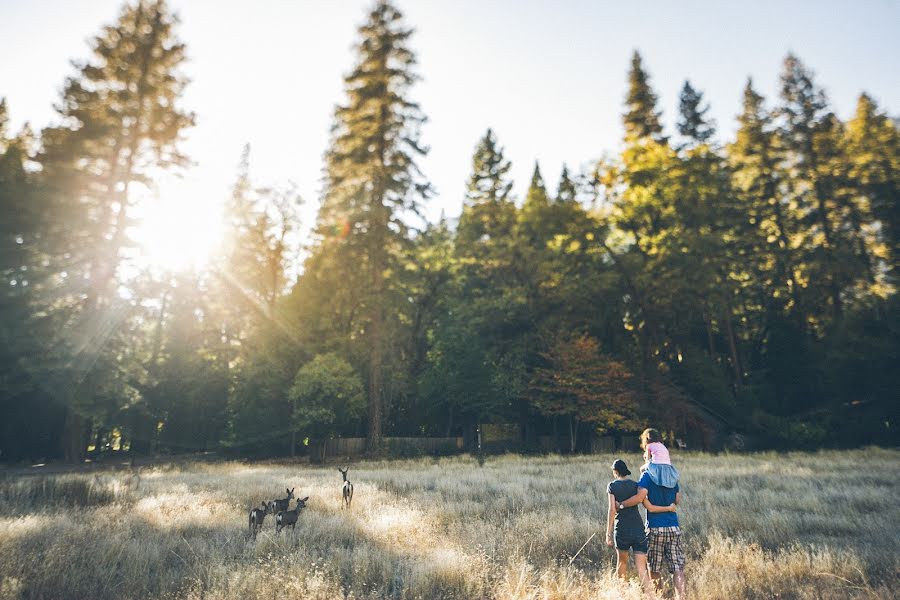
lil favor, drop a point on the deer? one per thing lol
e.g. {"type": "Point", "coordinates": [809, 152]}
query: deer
{"type": "Point", "coordinates": [257, 515]}
{"type": "Point", "coordinates": [347, 491]}
{"type": "Point", "coordinates": [289, 517]}
{"type": "Point", "coordinates": [278, 505]}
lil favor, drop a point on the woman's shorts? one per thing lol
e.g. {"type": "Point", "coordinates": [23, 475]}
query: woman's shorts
{"type": "Point", "coordinates": [635, 540]}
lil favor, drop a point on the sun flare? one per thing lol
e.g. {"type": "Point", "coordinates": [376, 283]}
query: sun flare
{"type": "Point", "coordinates": [177, 232]}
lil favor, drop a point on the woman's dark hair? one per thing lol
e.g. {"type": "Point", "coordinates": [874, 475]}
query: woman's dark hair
{"type": "Point", "coordinates": [650, 436]}
{"type": "Point", "coordinates": [621, 468]}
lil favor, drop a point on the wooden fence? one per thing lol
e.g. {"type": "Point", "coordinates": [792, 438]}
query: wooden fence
{"type": "Point", "coordinates": [400, 446]}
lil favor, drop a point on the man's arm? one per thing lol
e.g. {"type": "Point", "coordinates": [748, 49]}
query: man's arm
{"type": "Point", "coordinates": [658, 509]}
{"type": "Point", "coordinates": [636, 499]}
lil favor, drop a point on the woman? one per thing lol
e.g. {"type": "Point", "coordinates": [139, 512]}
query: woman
{"type": "Point", "coordinates": [625, 527]}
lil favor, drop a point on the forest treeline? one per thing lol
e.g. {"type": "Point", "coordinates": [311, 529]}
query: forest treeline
{"type": "Point", "coordinates": [707, 287]}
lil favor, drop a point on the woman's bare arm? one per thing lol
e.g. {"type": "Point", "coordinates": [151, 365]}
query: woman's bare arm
{"type": "Point", "coordinates": [610, 520]}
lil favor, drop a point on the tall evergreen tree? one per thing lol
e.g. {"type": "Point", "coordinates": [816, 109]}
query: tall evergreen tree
{"type": "Point", "coordinates": [872, 146]}
{"type": "Point", "coordinates": [770, 226]}
{"type": "Point", "coordinates": [809, 134]}
{"type": "Point", "coordinates": [641, 115]}
{"type": "Point", "coordinates": [534, 208]}
{"type": "Point", "coordinates": [693, 122]}
{"type": "Point", "coordinates": [566, 192]}
{"type": "Point", "coordinates": [372, 183]}
{"type": "Point", "coordinates": [488, 209]}
{"type": "Point", "coordinates": [120, 121]}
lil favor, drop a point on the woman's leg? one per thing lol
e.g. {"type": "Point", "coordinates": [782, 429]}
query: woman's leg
{"type": "Point", "coordinates": [621, 563]}
{"type": "Point", "coordinates": [640, 563]}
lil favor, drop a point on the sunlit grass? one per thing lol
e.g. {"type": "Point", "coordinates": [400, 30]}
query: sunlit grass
{"type": "Point", "coordinates": [820, 525]}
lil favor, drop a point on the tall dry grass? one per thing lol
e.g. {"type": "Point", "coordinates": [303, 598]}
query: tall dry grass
{"type": "Point", "coordinates": [800, 525]}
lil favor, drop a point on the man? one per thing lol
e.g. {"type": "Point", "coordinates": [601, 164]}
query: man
{"type": "Point", "coordinates": [665, 547]}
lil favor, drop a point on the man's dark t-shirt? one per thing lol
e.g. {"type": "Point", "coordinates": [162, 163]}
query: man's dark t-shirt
{"type": "Point", "coordinates": [628, 519]}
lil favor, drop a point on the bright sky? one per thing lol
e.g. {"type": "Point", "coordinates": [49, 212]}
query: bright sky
{"type": "Point", "coordinates": [549, 77]}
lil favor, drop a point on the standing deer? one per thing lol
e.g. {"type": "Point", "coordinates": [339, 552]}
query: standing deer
{"type": "Point", "coordinates": [347, 491]}
{"type": "Point", "coordinates": [279, 505]}
{"type": "Point", "coordinates": [289, 517]}
{"type": "Point", "coordinates": [257, 515]}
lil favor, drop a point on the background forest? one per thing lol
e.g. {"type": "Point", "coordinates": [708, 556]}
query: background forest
{"type": "Point", "coordinates": [708, 287]}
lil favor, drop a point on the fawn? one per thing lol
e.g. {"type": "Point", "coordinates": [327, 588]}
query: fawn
{"type": "Point", "coordinates": [347, 491]}
{"type": "Point", "coordinates": [257, 515]}
{"type": "Point", "coordinates": [279, 505]}
{"type": "Point", "coordinates": [289, 517]}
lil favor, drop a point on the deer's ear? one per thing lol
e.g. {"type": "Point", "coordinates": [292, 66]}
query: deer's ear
{"type": "Point", "coordinates": [305, 499]}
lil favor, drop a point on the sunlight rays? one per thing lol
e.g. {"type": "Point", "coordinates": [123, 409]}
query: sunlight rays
{"type": "Point", "coordinates": [178, 230]}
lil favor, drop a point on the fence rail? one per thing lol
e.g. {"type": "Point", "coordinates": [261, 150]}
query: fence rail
{"type": "Point", "coordinates": [338, 447]}
{"type": "Point", "coordinates": [413, 446]}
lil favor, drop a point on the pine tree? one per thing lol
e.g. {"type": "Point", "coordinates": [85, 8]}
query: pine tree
{"type": "Point", "coordinates": [641, 117]}
{"type": "Point", "coordinates": [693, 123]}
{"type": "Point", "coordinates": [121, 121]}
{"type": "Point", "coordinates": [372, 183]}
{"type": "Point", "coordinates": [770, 223]}
{"type": "Point", "coordinates": [810, 134]}
{"type": "Point", "coordinates": [534, 209]}
{"type": "Point", "coordinates": [872, 146]}
{"type": "Point", "coordinates": [488, 210]}
{"type": "Point", "coordinates": [566, 192]}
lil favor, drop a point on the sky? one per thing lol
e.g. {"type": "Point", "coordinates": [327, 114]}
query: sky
{"type": "Point", "coordinates": [548, 77]}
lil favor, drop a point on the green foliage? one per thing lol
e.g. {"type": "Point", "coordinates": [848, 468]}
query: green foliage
{"type": "Point", "coordinates": [641, 117]}
{"type": "Point", "coordinates": [579, 382]}
{"type": "Point", "coordinates": [328, 397]}
{"type": "Point", "coordinates": [748, 287]}
{"type": "Point", "coordinates": [693, 123]}
{"type": "Point", "coordinates": [372, 185]}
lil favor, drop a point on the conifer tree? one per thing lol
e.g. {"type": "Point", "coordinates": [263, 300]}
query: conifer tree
{"type": "Point", "coordinates": [693, 123]}
{"type": "Point", "coordinates": [809, 134]}
{"type": "Point", "coordinates": [537, 190]}
{"type": "Point", "coordinates": [372, 183]}
{"type": "Point", "coordinates": [120, 120]}
{"type": "Point", "coordinates": [488, 210]}
{"type": "Point", "coordinates": [769, 226]}
{"type": "Point", "coordinates": [566, 192]}
{"type": "Point", "coordinates": [534, 209]}
{"type": "Point", "coordinates": [872, 146]}
{"type": "Point", "coordinates": [641, 116]}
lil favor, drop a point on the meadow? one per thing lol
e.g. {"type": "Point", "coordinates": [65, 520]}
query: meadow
{"type": "Point", "coordinates": [767, 525]}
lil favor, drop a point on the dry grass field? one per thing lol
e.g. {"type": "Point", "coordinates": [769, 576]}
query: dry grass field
{"type": "Point", "coordinates": [799, 525]}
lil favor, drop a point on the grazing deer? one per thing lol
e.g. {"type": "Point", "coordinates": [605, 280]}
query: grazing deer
{"type": "Point", "coordinates": [279, 505]}
{"type": "Point", "coordinates": [347, 492]}
{"type": "Point", "coordinates": [289, 517]}
{"type": "Point", "coordinates": [257, 515]}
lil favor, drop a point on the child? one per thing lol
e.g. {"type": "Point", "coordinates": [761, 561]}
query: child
{"type": "Point", "coordinates": [658, 464]}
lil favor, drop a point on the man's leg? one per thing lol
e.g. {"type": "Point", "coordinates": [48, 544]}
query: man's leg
{"type": "Point", "coordinates": [654, 556]}
{"type": "Point", "coordinates": [678, 580]}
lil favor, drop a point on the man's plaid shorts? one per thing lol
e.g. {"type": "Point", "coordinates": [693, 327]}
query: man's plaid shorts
{"type": "Point", "coordinates": [665, 549]}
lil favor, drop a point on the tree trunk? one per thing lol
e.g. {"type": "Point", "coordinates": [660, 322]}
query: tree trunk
{"type": "Point", "coordinates": [375, 384]}
{"type": "Point", "coordinates": [573, 433]}
{"type": "Point", "coordinates": [293, 431]}
{"type": "Point", "coordinates": [709, 334]}
{"type": "Point", "coordinates": [74, 439]}
{"type": "Point", "coordinates": [732, 346]}
{"type": "Point", "coordinates": [450, 421]}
